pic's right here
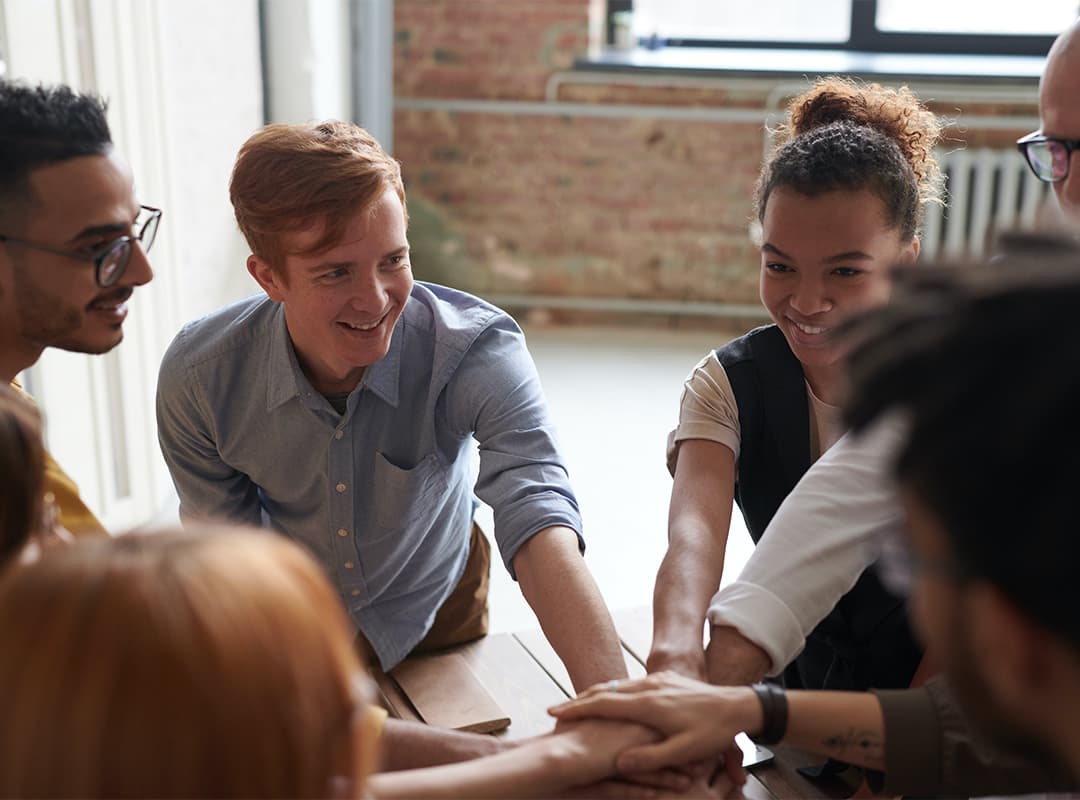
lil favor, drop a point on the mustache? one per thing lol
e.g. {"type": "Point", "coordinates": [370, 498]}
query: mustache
{"type": "Point", "coordinates": [116, 296]}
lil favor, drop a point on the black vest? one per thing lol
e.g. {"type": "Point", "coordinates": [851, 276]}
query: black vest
{"type": "Point", "coordinates": [866, 640]}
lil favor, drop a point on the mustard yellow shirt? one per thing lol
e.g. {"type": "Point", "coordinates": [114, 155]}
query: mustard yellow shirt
{"type": "Point", "coordinates": [74, 515]}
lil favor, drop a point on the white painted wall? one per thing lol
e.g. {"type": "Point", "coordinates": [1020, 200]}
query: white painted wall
{"type": "Point", "coordinates": [184, 86]}
{"type": "Point", "coordinates": [308, 60]}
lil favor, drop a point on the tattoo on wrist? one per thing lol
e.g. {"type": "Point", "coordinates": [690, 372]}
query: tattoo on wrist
{"type": "Point", "coordinates": [866, 742]}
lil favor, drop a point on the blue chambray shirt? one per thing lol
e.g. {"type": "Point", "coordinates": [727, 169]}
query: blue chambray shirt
{"type": "Point", "coordinates": [380, 495]}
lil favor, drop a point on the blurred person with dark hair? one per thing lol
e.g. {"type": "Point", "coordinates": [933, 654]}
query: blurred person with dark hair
{"type": "Point", "coordinates": [73, 242]}
{"type": "Point", "coordinates": [985, 463]}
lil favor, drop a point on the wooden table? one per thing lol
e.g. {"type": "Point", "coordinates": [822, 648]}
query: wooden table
{"type": "Point", "coordinates": [524, 675]}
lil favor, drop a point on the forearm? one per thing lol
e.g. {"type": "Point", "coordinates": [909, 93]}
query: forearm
{"type": "Point", "coordinates": [561, 591]}
{"type": "Point", "coordinates": [846, 726]}
{"type": "Point", "coordinates": [541, 767]}
{"type": "Point", "coordinates": [409, 745]}
{"type": "Point", "coordinates": [731, 659]}
{"type": "Point", "coordinates": [698, 522]}
{"type": "Point", "coordinates": [687, 579]}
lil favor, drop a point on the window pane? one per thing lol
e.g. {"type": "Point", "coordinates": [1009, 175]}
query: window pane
{"type": "Point", "coordinates": [1026, 17]}
{"type": "Point", "coordinates": [772, 20]}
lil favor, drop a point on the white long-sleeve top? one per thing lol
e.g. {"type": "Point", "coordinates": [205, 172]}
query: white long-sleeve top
{"type": "Point", "coordinates": [831, 527]}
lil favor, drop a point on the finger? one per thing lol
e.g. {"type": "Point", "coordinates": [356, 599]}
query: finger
{"type": "Point", "coordinates": [614, 788]}
{"type": "Point", "coordinates": [661, 779]}
{"type": "Point", "coordinates": [607, 705]}
{"type": "Point", "coordinates": [702, 768]}
{"type": "Point", "coordinates": [668, 753]}
{"type": "Point", "coordinates": [733, 768]}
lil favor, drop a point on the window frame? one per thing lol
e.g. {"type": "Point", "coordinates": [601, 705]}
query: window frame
{"type": "Point", "coordinates": [864, 36]}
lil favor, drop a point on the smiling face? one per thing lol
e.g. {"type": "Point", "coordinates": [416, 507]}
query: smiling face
{"type": "Point", "coordinates": [824, 258]}
{"type": "Point", "coordinates": [79, 205]}
{"type": "Point", "coordinates": [341, 305]}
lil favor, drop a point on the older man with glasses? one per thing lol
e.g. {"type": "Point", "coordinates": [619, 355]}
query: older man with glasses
{"type": "Point", "coordinates": [73, 241]}
{"type": "Point", "coordinates": [1049, 151]}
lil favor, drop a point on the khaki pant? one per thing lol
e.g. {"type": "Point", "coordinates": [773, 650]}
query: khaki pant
{"type": "Point", "coordinates": [463, 617]}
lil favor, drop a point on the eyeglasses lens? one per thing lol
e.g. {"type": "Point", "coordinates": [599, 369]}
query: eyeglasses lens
{"type": "Point", "coordinates": [149, 232]}
{"type": "Point", "coordinates": [113, 263]}
{"type": "Point", "coordinates": [1049, 160]}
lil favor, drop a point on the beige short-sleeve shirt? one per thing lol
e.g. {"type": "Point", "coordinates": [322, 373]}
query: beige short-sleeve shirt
{"type": "Point", "coordinates": [708, 410]}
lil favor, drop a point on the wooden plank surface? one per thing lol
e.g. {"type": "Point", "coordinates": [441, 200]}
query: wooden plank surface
{"type": "Point", "coordinates": [540, 649]}
{"type": "Point", "coordinates": [634, 626]}
{"type": "Point", "coordinates": [783, 781]}
{"type": "Point", "coordinates": [517, 683]}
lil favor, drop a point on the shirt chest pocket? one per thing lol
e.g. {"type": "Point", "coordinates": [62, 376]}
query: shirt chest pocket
{"type": "Point", "coordinates": [404, 495]}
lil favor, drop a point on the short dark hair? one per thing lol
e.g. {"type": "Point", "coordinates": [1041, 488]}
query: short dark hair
{"type": "Point", "coordinates": [42, 125]}
{"type": "Point", "coordinates": [984, 361]}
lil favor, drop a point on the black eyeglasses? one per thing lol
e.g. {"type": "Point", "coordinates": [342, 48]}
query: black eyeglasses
{"type": "Point", "coordinates": [113, 258]}
{"type": "Point", "coordinates": [1047, 156]}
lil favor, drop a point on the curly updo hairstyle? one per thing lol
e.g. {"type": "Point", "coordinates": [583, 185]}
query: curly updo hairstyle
{"type": "Point", "coordinates": [842, 135]}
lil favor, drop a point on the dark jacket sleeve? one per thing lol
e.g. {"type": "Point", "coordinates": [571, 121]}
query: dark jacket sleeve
{"type": "Point", "coordinates": [932, 748]}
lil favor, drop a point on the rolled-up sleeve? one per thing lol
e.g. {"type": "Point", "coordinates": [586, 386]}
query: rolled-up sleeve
{"type": "Point", "coordinates": [496, 395]}
{"type": "Point", "coordinates": [825, 533]}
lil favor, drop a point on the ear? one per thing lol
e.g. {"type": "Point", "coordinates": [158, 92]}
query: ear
{"type": "Point", "coordinates": [1016, 656]}
{"type": "Point", "coordinates": [910, 253]}
{"type": "Point", "coordinates": [266, 277]}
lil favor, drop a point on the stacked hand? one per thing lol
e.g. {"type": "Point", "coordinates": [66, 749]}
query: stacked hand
{"type": "Point", "coordinates": [696, 719]}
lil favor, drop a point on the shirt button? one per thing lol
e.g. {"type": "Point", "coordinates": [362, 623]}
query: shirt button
{"type": "Point", "coordinates": [342, 532]}
{"type": "Point", "coordinates": [348, 565]}
{"type": "Point", "coordinates": [355, 592]}
{"type": "Point", "coordinates": [339, 434]}
{"type": "Point", "coordinates": [340, 487]}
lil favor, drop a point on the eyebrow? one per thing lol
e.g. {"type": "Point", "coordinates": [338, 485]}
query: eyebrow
{"type": "Point", "coordinates": [851, 255]}
{"type": "Point", "coordinates": [109, 227]}
{"type": "Point", "coordinates": [776, 251]}
{"type": "Point", "coordinates": [99, 230]}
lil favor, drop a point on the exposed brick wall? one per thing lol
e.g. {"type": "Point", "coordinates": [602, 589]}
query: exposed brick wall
{"type": "Point", "coordinates": [576, 205]}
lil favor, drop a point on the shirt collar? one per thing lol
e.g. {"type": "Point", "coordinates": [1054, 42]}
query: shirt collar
{"type": "Point", "coordinates": [287, 380]}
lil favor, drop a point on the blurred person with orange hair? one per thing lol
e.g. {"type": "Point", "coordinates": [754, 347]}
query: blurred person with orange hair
{"type": "Point", "coordinates": [340, 407]}
{"type": "Point", "coordinates": [217, 663]}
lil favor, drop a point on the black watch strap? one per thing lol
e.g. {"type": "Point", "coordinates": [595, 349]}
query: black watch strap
{"type": "Point", "coordinates": [774, 713]}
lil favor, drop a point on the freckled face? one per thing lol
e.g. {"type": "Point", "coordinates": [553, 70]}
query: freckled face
{"type": "Point", "coordinates": [341, 305]}
{"type": "Point", "coordinates": [824, 258]}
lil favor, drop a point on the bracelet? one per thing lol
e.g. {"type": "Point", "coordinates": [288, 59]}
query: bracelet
{"type": "Point", "coordinates": [774, 713]}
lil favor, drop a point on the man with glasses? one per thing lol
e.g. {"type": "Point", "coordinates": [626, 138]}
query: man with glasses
{"type": "Point", "coordinates": [1050, 150]}
{"type": "Point", "coordinates": [73, 241]}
